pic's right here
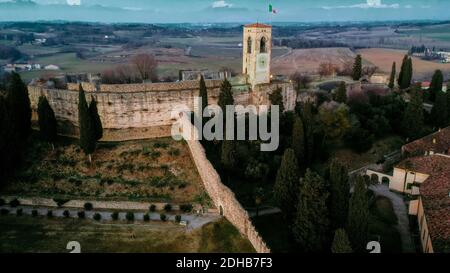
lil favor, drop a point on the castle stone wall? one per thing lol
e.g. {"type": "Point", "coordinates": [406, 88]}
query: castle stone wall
{"type": "Point", "coordinates": [222, 196]}
{"type": "Point", "coordinates": [143, 109]}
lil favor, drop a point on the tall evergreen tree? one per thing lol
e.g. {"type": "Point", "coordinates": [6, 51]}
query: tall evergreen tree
{"type": "Point", "coordinates": [448, 103]}
{"type": "Point", "coordinates": [47, 120]}
{"type": "Point", "coordinates": [439, 113]}
{"type": "Point", "coordinates": [87, 132]}
{"type": "Point", "coordinates": [402, 71]}
{"type": "Point", "coordinates": [357, 68]}
{"type": "Point", "coordinates": [203, 94]}
{"type": "Point", "coordinates": [298, 141]}
{"type": "Point", "coordinates": [358, 216]}
{"type": "Point", "coordinates": [339, 194]}
{"type": "Point", "coordinates": [341, 243]}
{"type": "Point", "coordinates": [17, 96]}
{"type": "Point", "coordinates": [341, 93]}
{"type": "Point", "coordinates": [228, 155]}
{"type": "Point", "coordinates": [276, 98]}
{"type": "Point", "coordinates": [225, 95]}
{"type": "Point", "coordinates": [287, 182]}
{"type": "Point", "coordinates": [95, 119]}
{"type": "Point", "coordinates": [393, 75]}
{"type": "Point", "coordinates": [406, 73]}
{"type": "Point", "coordinates": [308, 125]}
{"type": "Point", "coordinates": [9, 143]}
{"type": "Point", "coordinates": [413, 119]}
{"type": "Point", "coordinates": [311, 227]}
{"type": "Point", "coordinates": [436, 84]}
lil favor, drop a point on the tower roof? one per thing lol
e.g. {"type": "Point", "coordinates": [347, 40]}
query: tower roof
{"type": "Point", "coordinates": [258, 25]}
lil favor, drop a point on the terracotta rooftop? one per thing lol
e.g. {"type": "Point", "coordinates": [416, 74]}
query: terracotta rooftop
{"type": "Point", "coordinates": [435, 194]}
{"type": "Point", "coordinates": [259, 25]}
{"type": "Point", "coordinates": [438, 142]}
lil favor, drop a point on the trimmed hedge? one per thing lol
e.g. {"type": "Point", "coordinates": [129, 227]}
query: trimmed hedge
{"type": "Point", "coordinates": [146, 217]}
{"type": "Point", "coordinates": [97, 217]}
{"type": "Point", "coordinates": [81, 214]}
{"type": "Point", "coordinates": [129, 216]}
{"type": "Point", "coordinates": [115, 215]}
{"type": "Point", "coordinates": [14, 203]}
{"type": "Point", "coordinates": [163, 217]}
{"type": "Point", "coordinates": [88, 206]}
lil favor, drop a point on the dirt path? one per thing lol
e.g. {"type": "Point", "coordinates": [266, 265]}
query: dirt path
{"type": "Point", "coordinates": [194, 221]}
{"type": "Point", "coordinates": [401, 211]}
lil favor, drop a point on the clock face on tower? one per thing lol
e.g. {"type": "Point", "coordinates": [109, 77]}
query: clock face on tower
{"type": "Point", "coordinates": [262, 62]}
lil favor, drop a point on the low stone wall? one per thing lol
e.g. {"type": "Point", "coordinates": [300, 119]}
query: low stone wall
{"type": "Point", "coordinates": [223, 198]}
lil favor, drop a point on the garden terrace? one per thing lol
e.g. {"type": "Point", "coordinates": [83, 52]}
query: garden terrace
{"type": "Point", "coordinates": [150, 170]}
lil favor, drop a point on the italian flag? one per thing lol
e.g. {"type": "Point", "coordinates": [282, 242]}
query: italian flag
{"type": "Point", "coordinates": [272, 10]}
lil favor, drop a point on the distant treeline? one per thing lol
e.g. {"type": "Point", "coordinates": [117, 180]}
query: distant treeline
{"type": "Point", "coordinates": [308, 43]}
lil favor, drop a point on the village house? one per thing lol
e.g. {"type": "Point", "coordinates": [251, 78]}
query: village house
{"type": "Point", "coordinates": [424, 175]}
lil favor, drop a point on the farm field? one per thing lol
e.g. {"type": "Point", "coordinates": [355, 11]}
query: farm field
{"type": "Point", "coordinates": [383, 58]}
{"type": "Point", "coordinates": [153, 170]}
{"type": "Point", "coordinates": [308, 60]}
{"type": "Point", "coordinates": [19, 234]}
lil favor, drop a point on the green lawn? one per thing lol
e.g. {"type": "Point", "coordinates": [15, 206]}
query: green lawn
{"type": "Point", "coordinates": [275, 232]}
{"type": "Point", "coordinates": [40, 234]}
{"type": "Point", "coordinates": [382, 223]}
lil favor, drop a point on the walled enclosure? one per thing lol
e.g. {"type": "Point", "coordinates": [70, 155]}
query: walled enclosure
{"type": "Point", "coordinates": [144, 110]}
{"type": "Point", "coordinates": [137, 111]}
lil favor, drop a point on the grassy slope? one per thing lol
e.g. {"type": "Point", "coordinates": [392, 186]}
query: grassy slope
{"type": "Point", "coordinates": [27, 234]}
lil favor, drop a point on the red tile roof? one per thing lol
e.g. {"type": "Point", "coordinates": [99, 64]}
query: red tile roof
{"type": "Point", "coordinates": [441, 144]}
{"type": "Point", "coordinates": [258, 25]}
{"type": "Point", "coordinates": [434, 193]}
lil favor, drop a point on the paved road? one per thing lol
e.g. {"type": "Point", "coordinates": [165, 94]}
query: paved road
{"type": "Point", "coordinates": [194, 221]}
{"type": "Point", "coordinates": [401, 211]}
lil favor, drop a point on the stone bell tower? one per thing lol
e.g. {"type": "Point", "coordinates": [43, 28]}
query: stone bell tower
{"type": "Point", "coordinates": [257, 52]}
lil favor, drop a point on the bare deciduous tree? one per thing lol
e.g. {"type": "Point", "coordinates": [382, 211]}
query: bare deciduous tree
{"type": "Point", "coordinates": [369, 70]}
{"type": "Point", "coordinates": [327, 69]}
{"type": "Point", "coordinates": [145, 65]}
{"type": "Point", "coordinates": [301, 80]}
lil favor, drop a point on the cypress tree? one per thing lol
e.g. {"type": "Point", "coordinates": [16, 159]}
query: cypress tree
{"type": "Point", "coordinates": [448, 104]}
{"type": "Point", "coordinates": [87, 132]}
{"type": "Point", "coordinates": [357, 68]}
{"type": "Point", "coordinates": [413, 119]}
{"type": "Point", "coordinates": [436, 84]}
{"type": "Point", "coordinates": [406, 73]}
{"type": "Point", "coordinates": [392, 78]}
{"type": "Point", "coordinates": [298, 140]}
{"type": "Point", "coordinates": [17, 96]}
{"type": "Point", "coordinates": [339, 194]}
{"type": "Point", "coordinates": [308, 125]}
{"type": "Point", "coordinates": [341, 93]}
{"type": "Point", "coordinates": [95, 119]}
{"type": "Point", "coordinates": [227, 155]}
{"type": "Point", "coordinates": [276, 98]}
{"type": "Point", "coordinates": [439, 113]}
{"type": "Point", "coordinates": [341, 244]}
{"type": "Point", "coordinates": [402, 71]}
{"type": "Point", "coordinates": [47, 120]}
{"type": "Point", "coordinates": [358, 216]}
{"type": "Point", "coordinates": [311, 227]}
{"type": "Point", "coordinates": [287, 182]}
{"type": "Point", "coordinates": [203, 94]}
{"type": "Point", "coordinates": [225, 95]}
{"type": "Point", "coordinates": [9, 143]}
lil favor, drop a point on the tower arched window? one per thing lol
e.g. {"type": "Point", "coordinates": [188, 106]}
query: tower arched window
{"type": "Point", "coordinates": [263, 45]}
{"type": "Point", "coordinates": [249, 45]}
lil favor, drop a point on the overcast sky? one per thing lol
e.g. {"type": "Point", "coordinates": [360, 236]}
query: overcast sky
{"type": "Point", "coordinates": [202, 11]}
